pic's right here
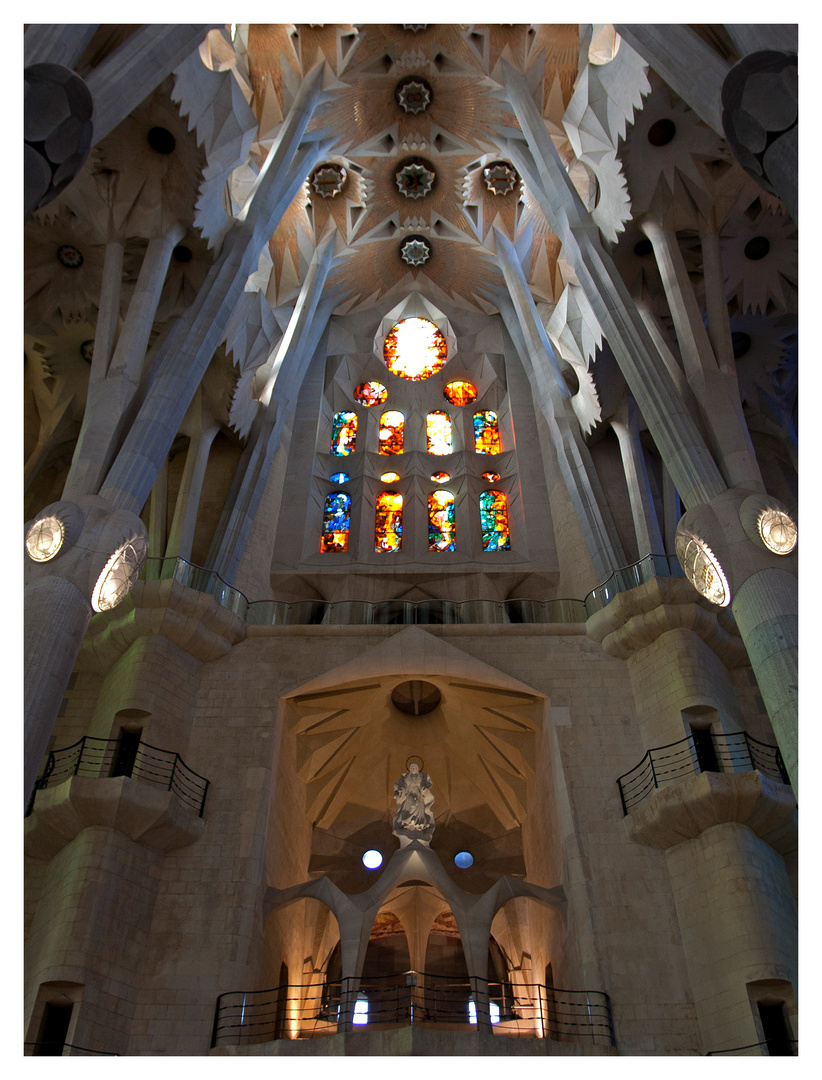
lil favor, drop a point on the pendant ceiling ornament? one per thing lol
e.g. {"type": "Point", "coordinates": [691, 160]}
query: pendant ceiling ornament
{"type": "Point", "coordinates": [415, 179]}
{"type": "Point", "coordinates": [327, 180]}
{"type": "Point", "coordinates": [414, 95]}
{"type": "Point", "coordinates": [500, 177]}
{"type": "Point", "coordinates": [415, 250]}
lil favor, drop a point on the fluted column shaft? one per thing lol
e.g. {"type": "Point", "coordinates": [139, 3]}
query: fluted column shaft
{"type": "Point", "coordinates": [646, 526]}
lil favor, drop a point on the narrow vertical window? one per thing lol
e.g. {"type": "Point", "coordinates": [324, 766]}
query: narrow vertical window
{"type": "Point", "coordinates": [438, 433]}
{"type": "Point", "coordinates": [494, 521]}
{"type": "Point", "coordinates": [441, 521]}
{"type": "Point", "coordinates": [486, 433]}
{"type": "Point", "coordinates": [392, 428]}
{"type": "Point", "coordinates": [343, 433]}
{"type": "Point", "coordinates": [336, 522]}
{"type": "Point", "coordinates": [388, 525]}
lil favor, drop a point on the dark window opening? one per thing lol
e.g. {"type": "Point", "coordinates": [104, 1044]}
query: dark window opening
{"type": "Point", "coordinates": [56, 1019]}
{"type": "Point", "coordinates": [126, 753]}
{"type": "Point", "coordinates": [775, 1030]}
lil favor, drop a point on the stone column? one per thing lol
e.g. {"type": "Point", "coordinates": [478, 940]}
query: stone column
{"type": "Point", "coordinates": [58, 43]}
{"type": "Point", "coordinates": [184, 356]}
{"type": "Point", "coordinates": [646, 526]}
{"type": "Point", "coordinates": [553, 398]}
{"type": "Point", "coordinates": [125, 78]}
{"type": "Point", "coordinates": [158, 522]}
{"type": "Point", "coordinates": [672, 427]}
{"type": "Point", "coordinates": [724, 836]}
{"type": "Point", "coordinates": [114, 384]}
{"type": "Point", "coordinates": [766, 607]}
{"type": "Point", "coordinates": [278, 398]}
{"type": "Point", "coordinates": [183, 525]}
{"type": "Point", "coordinates": [729, 433]}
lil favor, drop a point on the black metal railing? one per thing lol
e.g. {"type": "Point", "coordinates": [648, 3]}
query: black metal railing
{"type": "Point", "coordinates": [409, 997]}
{"type": "Point", "coordinates": [774, 1048]}
{"type": "Point", "coordinates": [700, 752]}
{"type": "Point", "coordinates": [58, 1049]}
{"type": "Point", "coordinates": [102, 757]}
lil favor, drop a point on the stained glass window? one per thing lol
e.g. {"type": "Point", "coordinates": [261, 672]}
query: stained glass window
{"type": "Point", "coordinates": [415, 349]}
{"type": "Point", "coordinates": [370, 393]}
{"type": "Point", "coordinates": [441, 521]}
{"type": "Point", "coordinates": [486, 433]}
{"type": "Point", "coordinates": [441, 477]}
{"type": "Point", "coordinates": [460, 392]}
{"type": "Point", "coordinates": [340, 478]}
{"type": "Point", "coordinates": [390, 477]}
{"type": "Point", "coordinates": [336, 522]}
{"type": "Point", "coordinates": [494, 521]}
{"type": "Point", "coordinates": [388, 524]}
{"type": "Point", "coordinates": [343, 433]}
{"type": "Point", "coordinates": [392, 426]}
{"type": "Point", "coordinates": [438, 433]}
{"type": "Point", "coordinates": [491, 477]}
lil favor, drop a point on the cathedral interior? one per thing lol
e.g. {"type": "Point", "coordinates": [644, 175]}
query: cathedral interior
{"type": "Point", "coordinates": [410, 537]}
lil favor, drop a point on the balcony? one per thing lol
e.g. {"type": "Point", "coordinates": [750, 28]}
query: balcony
{"type": "Point", "coordinates": [699, 752]}
{"type": "Point", "coordinates": [96, 758]}
{"type": "Point", "coordinates": [412, 999]}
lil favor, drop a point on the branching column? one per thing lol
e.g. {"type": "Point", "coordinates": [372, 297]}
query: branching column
{"type": "Point", "coordinates": [553, 398]}
{"type": "Point", "coordinates": [107, 521]}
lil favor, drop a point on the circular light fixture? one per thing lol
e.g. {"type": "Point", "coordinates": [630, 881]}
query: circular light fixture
{"type": "Point", "coordinates": [702, 569]}
{"type": "Point", "coordinates": [500, 177]}
{"type": "Point", "coordinates": [415, 250]}
{"type": "Point", "coordinates": [70, 256]}
{"type": "Point", "coordinates": [45, 538]}
{"type": "Point", "coordinates": [415, 179]}
{"type": "Point", "coordinates": [390, 477]}
{"type": "Point", "coordinates": [413, 94]}
{"type": "Point", "coordinates": [119, 574]}
{"type": "Point", "coordinates": [328, 180]}
{"type": "Point", "coordinates": [464, 859]}
{"type": "Point", "coordinates": [340, 478]}
{"type": "Point", "coordinates": [777, 530]}
{"type": "Point", "coordinates": [372, 859]}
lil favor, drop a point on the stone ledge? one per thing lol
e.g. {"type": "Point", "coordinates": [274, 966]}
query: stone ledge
{"type": "Point", "coordinates": [636, 618]}
{"type": "Point", "coordinates": [146, 813]}
{"type": "Point", "coordinates": [684, 809]}
{"type": "Point", "coordinates": [417, 1041]}
{"type": "Point", "coordinates": [191, 620]}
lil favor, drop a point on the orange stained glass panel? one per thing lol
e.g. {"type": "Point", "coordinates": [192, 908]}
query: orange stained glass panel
{"type": "Point", "coordinates": [392, 429]}
{"type": "Point", "coordinates": [415, 349]}
{"type": "Point", "coordinates": [441, 527]}
{"type": "Point", "coordinates": [388, 522]}
{"type": "Point", "coordinates": [460, 392]}
{"type": "Point", "coordinates": [371, 393]}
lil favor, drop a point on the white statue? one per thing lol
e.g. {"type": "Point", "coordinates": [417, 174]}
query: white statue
{"type": "Point", "coordinates": [414, 819]}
